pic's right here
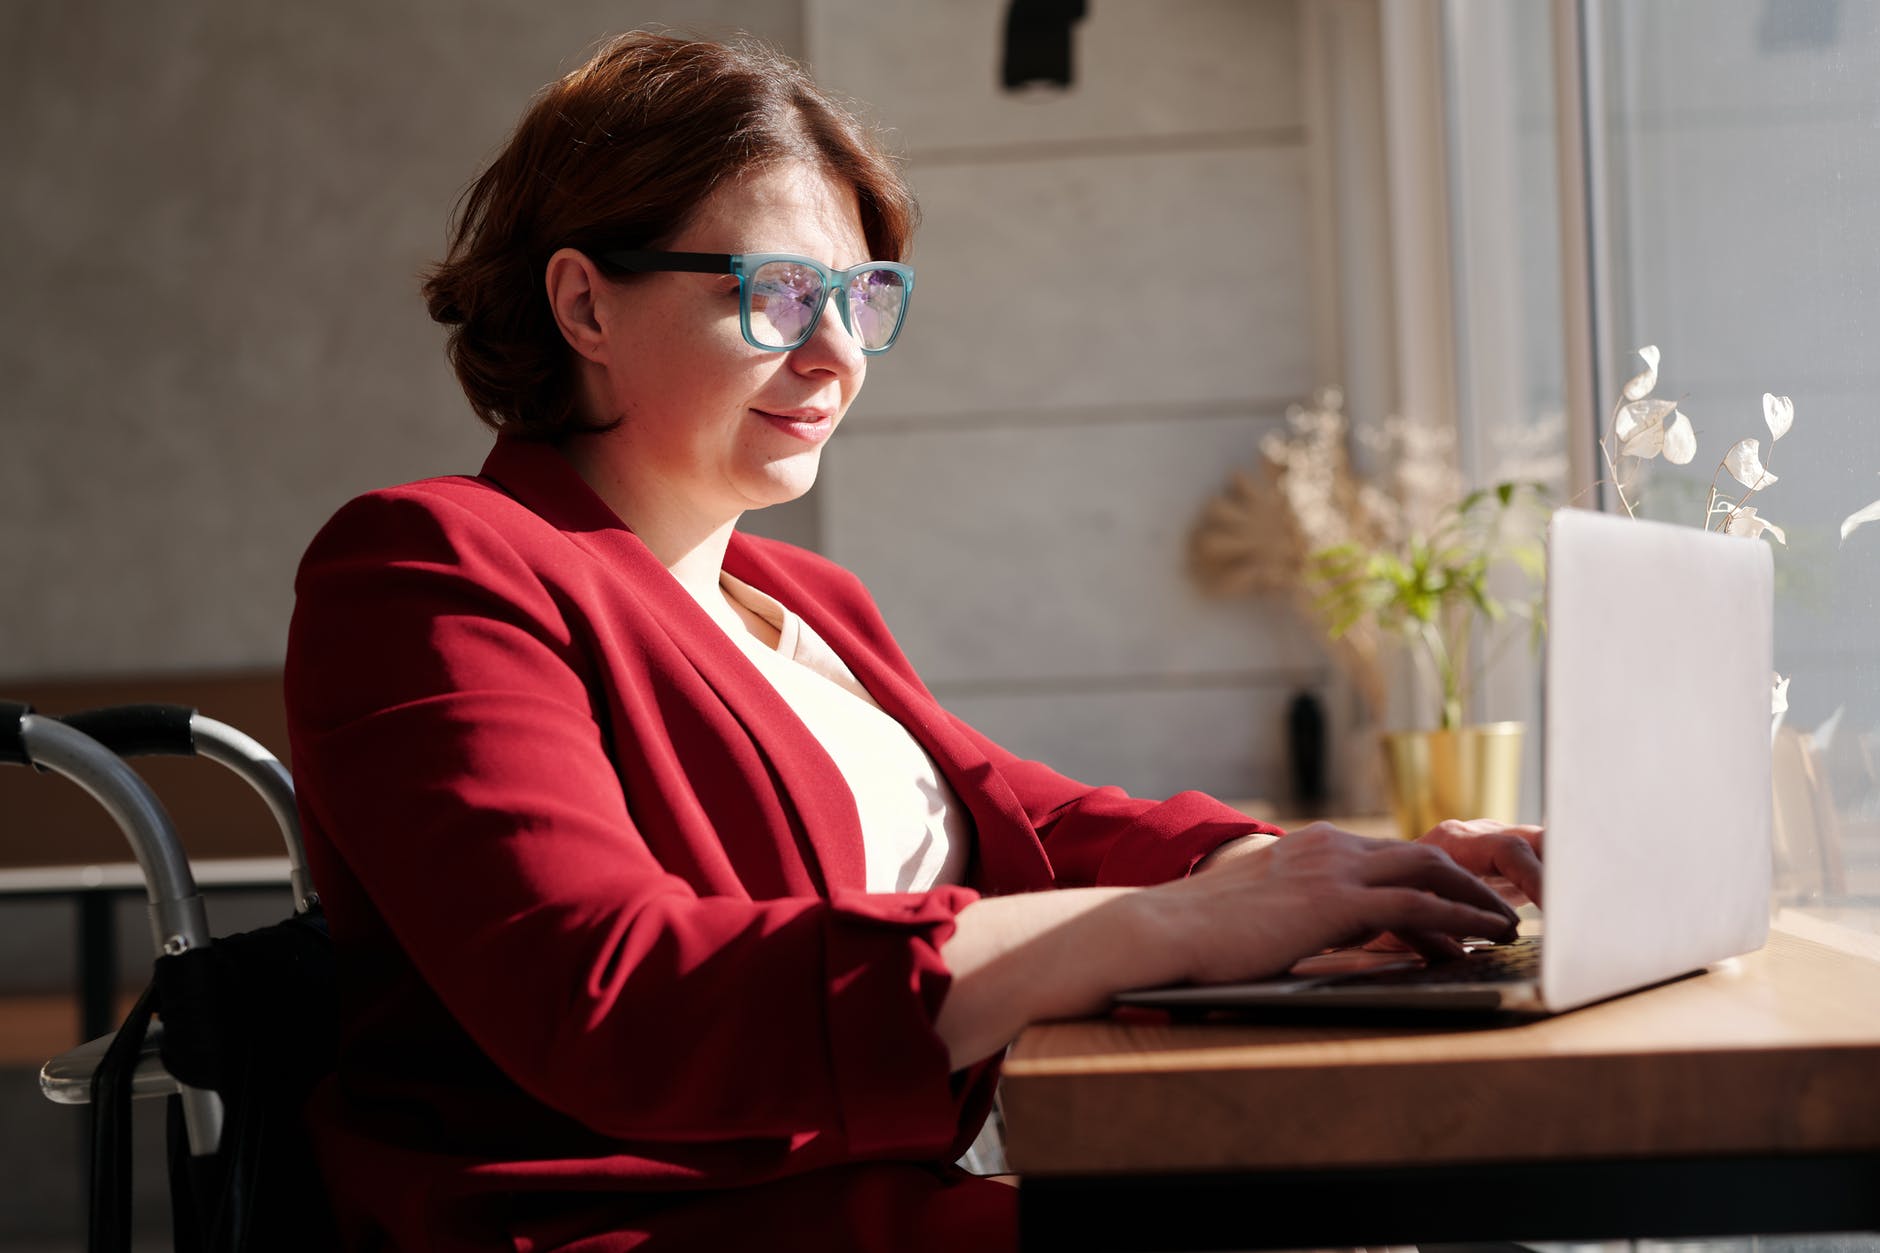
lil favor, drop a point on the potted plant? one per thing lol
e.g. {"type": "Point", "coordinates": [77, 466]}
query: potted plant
{"type": "Point", "coordinates": [1435, 590]}
{"type": "Point", "coordinates": [1397, 552]}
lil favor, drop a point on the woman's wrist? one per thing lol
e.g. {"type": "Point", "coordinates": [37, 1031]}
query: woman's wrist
{"type": "Point", "coordinates": [1037, 956]}
{"type": "Point", "coordinates": [1239, 846]}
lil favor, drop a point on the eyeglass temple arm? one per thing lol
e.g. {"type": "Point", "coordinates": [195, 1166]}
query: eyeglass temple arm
{"type": "Point", "coordinates": [641, 262]}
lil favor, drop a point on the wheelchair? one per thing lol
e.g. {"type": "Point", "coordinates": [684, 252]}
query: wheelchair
{"type": "Point", "coordinates": [248, 1021]}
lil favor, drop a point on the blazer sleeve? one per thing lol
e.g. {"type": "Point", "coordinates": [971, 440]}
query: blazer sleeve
{"type": "Point", "coordinates": [448, 744]}
{"type": "Point", "coordinates": [1104, 837]}
{"type": "Point", "coordinates": [1093, 836]}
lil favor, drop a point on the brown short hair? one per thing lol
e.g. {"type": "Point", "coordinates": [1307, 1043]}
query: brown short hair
{"type": "Point", "coordinates": [622, 151]}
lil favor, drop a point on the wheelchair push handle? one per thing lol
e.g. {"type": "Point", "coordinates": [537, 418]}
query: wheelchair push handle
{"type": "Point", "coordinates": [178, 922]}
{"type": "Point", "coordinates": [139, 730]}
{"type": "Point", "coordinates": [179, 731]}
{"type": "Point", "coordinates": [47, 743]}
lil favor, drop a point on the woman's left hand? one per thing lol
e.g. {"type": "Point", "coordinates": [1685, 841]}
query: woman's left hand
{"type": "Point", "coordinates": [1505, 854]}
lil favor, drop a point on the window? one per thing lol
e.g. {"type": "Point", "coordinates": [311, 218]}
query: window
{"type": "Point", "coordinates": [1720, 198]}
{"type": "Point", "coordinates": [1740, 184]}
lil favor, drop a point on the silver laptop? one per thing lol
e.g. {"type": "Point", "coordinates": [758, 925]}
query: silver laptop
{"type": "Point", "coordinates": [1656, 781]}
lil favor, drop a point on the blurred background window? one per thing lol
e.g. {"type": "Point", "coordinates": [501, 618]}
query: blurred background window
{"type": "Point", "coordinates": [1501, 118]}
{"type": "Point", "coordinates": [1702, 175]}
{"type": "Point", "coordinates": [1737, 145]}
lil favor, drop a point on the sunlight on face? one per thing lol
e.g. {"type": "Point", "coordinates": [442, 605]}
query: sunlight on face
{"type": "Point", "coordinates": [711, 426]}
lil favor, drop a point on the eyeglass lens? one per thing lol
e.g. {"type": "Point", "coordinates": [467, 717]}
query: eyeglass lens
{"type": "Point", "coordinates": [785, 295]}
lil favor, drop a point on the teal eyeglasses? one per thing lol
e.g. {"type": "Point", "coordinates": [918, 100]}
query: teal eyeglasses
{"type": "Point", "coordinates": [781, 296]}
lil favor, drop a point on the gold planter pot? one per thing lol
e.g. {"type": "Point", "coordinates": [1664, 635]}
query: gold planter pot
{"type": "Point", "coordinates": [1470, 772]}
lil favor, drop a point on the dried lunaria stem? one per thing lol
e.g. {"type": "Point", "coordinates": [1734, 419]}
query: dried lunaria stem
{"type": "Point", "coordinates": [1644, 427]}
{"type": "Point", "coordinates": [1640, 430]}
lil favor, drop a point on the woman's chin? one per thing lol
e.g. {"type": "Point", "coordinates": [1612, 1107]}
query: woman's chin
{"type": "Point", "coordinates": [784, 480]}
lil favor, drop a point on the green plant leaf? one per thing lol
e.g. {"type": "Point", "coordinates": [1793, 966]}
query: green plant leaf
{"type": "Point", "coordinates": [1432, 590]}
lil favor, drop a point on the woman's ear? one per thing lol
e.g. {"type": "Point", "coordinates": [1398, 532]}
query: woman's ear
{"type": "Point", "coordinates": [574, 282]}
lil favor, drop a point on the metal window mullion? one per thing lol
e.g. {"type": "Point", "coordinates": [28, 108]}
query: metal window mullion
{"type": "Point", "coordinates": [1585, 241]}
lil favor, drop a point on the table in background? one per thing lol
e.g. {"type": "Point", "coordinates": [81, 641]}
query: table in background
{"type": "Point", "coordinates": [1745, 1100]}
{"type": "Point", "coordinates": [94, 891]}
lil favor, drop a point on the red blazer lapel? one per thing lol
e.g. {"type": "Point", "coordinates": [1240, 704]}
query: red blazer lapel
{"type": "Point", "coordinates": [1009, 855]}
{"type": "Point", "coordinates": [809, 781]}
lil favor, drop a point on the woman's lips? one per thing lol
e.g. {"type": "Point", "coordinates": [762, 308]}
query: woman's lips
{"type": "Point", "coordinates": [812, 426]}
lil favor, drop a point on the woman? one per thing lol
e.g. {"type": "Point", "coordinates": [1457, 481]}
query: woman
{"type": "Point", "coordinates": [672, 910]}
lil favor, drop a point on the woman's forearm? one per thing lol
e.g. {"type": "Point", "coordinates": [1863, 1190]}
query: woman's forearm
{"type": "Point", "coordinates": [1022, 959]}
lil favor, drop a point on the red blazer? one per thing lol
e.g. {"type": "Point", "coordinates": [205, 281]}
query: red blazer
{"type": "Point", "coordinates": [607, 962]}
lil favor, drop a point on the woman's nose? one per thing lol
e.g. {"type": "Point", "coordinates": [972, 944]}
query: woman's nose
{"type": "Point", "coordinates": [831, 347]}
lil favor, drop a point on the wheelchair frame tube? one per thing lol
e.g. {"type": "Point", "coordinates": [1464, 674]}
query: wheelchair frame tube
{"type": "Point", "coordinates": [262, 771]}
{"type": "Point", "coordinates": [177, 920]}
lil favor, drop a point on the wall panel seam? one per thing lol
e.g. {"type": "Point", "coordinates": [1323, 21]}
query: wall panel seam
{"type": "Point", "coordinates": [1225, 410]}
{"type": "Point", "coordinates": [1179, 144]}
{"type": "Point", "coordinates": [1107, 684]}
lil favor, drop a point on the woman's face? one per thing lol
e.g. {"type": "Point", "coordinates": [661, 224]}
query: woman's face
{"type": "Point", "coordinates": [709, 424]}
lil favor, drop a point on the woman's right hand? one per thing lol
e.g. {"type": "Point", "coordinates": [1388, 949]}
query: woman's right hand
{"type": "Point", "coordinates": [1318, 888]}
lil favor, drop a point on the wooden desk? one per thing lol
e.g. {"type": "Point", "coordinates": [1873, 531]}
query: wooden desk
{"type": "Point", "coordinates": [1743, 1100]}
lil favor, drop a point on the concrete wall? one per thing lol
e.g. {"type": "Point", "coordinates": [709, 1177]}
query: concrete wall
{"type": "Point", "coordinates": [1114, 306]}
{"type": "Point", "coordinates": [212, 216]}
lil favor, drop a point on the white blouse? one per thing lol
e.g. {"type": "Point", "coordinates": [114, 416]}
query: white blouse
{"type": "Point", "coordinates": [915, 833]}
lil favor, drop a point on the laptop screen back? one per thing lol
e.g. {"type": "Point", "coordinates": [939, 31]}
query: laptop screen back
{"type": "Point", "coordinates": [1657, 741]}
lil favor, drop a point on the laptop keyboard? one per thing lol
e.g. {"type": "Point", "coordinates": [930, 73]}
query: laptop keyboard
{"type": "Point", "coordinates": [1518, 961]}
